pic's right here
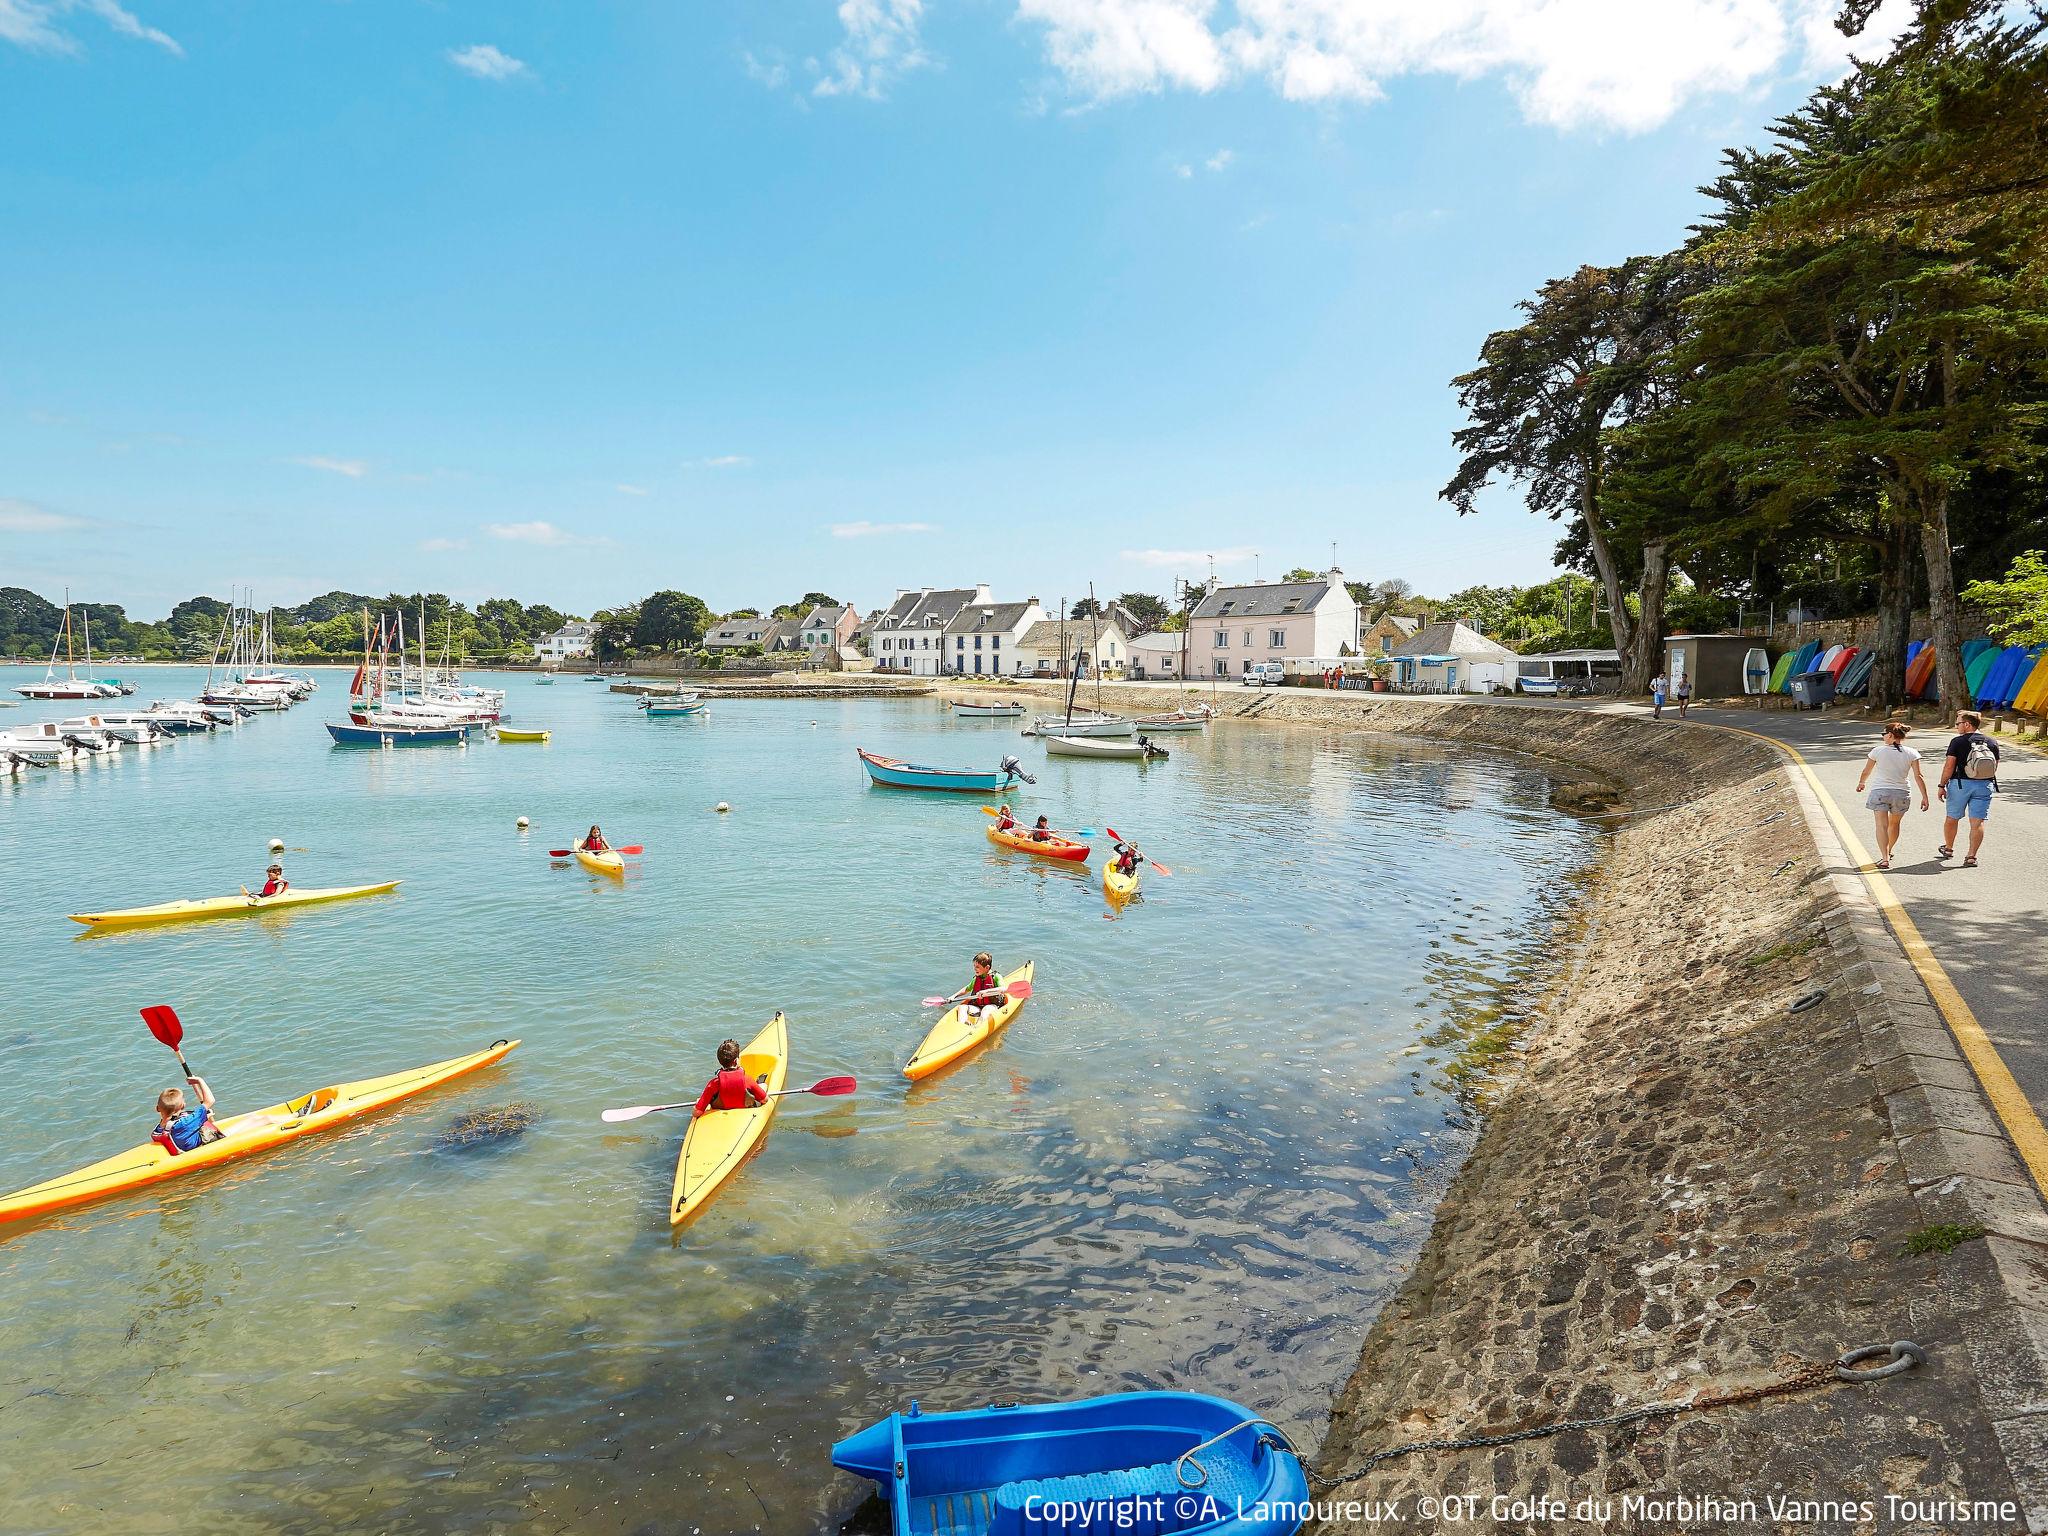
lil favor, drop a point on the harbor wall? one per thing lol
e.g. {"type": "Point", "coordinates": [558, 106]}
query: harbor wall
{"type": "Point", "coordinates": [1684, 1186]}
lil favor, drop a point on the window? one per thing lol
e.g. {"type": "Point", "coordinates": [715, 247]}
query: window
{"type": "Point", "coordinates": [995, 642]}
{"type": "Point", "coordinates": [1223, 669]}
{"type": "Point", "coordinates": [1279, 639]}
{"type": "Point", "coordinates": [1247, 639]}
{"type": "Point", "coordinates": [960, 642]}
{"type": "Point", "coordinates": [977, 642]}
{"type": "Point", "coordinates": [1386, 645]}
{"type": "Point", "coordinates": [1222, 639]}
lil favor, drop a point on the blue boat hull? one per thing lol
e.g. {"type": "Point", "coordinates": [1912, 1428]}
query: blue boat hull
{"type": "Point", "coordinates": [1130, 1461]}
{"type": "Point", "coordinates": [397, 736]}
{"type": "Point", "coordinates": [897, 775]}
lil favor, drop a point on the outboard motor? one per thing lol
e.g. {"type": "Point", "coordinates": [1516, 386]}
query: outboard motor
{"type": "Point", "coordinates": [1010, 765]}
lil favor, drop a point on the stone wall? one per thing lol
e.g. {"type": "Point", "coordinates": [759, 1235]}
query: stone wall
{"type": "Point", "coordinates": [1685, 1186]}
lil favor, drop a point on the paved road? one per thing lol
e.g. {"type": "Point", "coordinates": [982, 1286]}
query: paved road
{"type": "Point", "coordinates": [1989, 925]}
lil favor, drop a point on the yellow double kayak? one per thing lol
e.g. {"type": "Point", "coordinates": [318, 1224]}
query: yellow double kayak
{"type": "Point", "coordinates": [606, 863]}
{"type": "Point", "coordinates": [1118, 886]}
{"type": "Point", "coordinates": [225, 906]}
{"type": "Point", "coordinates": [961, 1031]}
{"type": "Point", "coordinates": [258, 1131]}
{"type": "Point", "coordinates": [719, 1140]}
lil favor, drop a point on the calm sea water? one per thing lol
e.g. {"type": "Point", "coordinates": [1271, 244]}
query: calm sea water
{"type": "Point", "coordinates": [1200, 1158]}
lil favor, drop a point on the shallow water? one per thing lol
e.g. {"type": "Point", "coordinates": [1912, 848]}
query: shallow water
{"type": "Point", "coordinates": [1199, 1158]}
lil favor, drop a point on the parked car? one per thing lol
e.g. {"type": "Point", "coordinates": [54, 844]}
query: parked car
{"type": "Point", "coordinates": [1263, 674]}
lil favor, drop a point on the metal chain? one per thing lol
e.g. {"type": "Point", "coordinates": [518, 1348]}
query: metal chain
{"type": "Point", "coordinates": [1808, 1377]}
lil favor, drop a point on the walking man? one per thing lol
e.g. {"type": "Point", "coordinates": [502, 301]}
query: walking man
{"type": "Point", "coordinates": [1969, 775]}
{"type": "Point", "coordinates": [1659, 686]}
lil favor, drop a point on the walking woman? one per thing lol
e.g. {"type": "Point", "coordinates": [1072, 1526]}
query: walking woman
{"type": "Point", "coordinates": [1895, 767]}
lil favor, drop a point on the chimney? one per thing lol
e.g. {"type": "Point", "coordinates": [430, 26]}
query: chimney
{"type": "Point", "coordinates": [1336, 576]}
{"type": "Point", "coordinates": [982, 594]}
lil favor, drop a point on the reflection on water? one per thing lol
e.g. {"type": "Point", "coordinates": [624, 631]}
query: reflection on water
{"type": "Point", "coordinates": [1199, 1157]}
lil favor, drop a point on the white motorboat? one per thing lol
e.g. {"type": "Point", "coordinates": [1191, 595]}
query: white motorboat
{"type": "Point", "coordinates": [131, 726]}
{"type": "Point", "coordinates": [1081, 746]}
{"type": "Point", "coordinates": [43, 745]}
{"type": "Point", "coordinates": [1071, 726]}
{"type": "Point", "coordinates": [181, 717]}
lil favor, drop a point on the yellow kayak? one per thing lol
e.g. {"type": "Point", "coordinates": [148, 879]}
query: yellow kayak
{"type": "Point", "coordinates": [606, 863]}
{"type": "Point", "coordinates": [719, 1140]}
{"type": "Point", "coordinates": [1118, 886]}
{"type": "Point", "coordinates": [225, 906]}
{"type": "Point", "coordinates": [258, 1131]}
{"type": "Point", "coordinates": [505, 735]}
{"type": "Point", "coordinates": [960, 1032]}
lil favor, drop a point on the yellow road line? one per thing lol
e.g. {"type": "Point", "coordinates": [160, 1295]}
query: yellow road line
{"type": "Point", "coordinates": [2008, 1101]}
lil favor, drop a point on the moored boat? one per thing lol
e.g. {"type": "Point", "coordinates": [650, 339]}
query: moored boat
{"type": "Point", "coordinates": [1175, 720]}
{"type": "Point", "coordinates": [898, 774]}
{"type": "Point", "coordinates": [720, 1140]}
{"type": "Point", "coordinates": [507, 735]}
{"type": "Point", "coordinates": [1082, 725]}
{"type": "Point", "coordinates": [1079, 746]}
{"type": "Point", "coordinates": [392, 734]}
{"type": "Point", "coordinates": [964, 711]}
{"type": "Point", "coordinates": [322, 1110]}
{"type": "Point", "coordinates": [1195, 1464]}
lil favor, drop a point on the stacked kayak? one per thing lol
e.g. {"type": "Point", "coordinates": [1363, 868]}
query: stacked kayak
{"type": "Point", "coordinates": [1053, 847]}
{"type": "Point", "coordinates": [719, 1140]}
{"type": "Point", "coordinates": [322, 1110]}
{"type": "Point", "coordinates": [224, 906]}
{"type": "Point", "coordinates": [962, 1030]}
{"type": "Point", "coordinates": [2033, 694]}
{"type": "Point", "coordinates": [1185, 1461]}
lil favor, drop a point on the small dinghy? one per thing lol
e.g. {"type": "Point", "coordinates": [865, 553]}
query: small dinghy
{"type": "Point", "coordinates": [1177, 720]}
{"type": "Point", "coordinates": [1081, 746]}
{"type": "Point", "coordinates": [1182, 1461]}
{"type": "Point", "coordinates": [987, 711]}
{"type": "Point", "coordinates": [1080, 725]}
{"type": "Point", "coordinates": [897, 774]}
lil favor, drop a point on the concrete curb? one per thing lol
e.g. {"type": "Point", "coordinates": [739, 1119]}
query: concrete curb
{"type": "Point", "coordinates": [1959, 1166]}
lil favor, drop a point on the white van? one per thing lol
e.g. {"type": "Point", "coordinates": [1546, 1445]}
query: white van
{"type": "Point", "coordinates": [1263, 674]}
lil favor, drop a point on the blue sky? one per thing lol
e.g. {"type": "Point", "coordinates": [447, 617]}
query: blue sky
{"type": "Point", "coordinates": [568, 303]}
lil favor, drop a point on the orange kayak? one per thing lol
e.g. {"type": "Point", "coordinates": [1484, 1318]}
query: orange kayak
{"type": "Point", "coordinates": [1053, 847]}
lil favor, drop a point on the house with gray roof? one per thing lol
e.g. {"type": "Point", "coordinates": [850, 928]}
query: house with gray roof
{"type": "Point", "coordinates": [1452, 657]}
{"type": "Point", "coordinates": [981, 639]}
{"type": "Point", "coordinates": [910, 637]}
{"type": "Point", "coordinates": [735, 634]}
{"type": "Point", "coordinates": [1234, 628]}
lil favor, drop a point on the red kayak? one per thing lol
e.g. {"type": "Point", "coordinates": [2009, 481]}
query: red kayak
{"type": "Point", "coordinates": [1052, 847]}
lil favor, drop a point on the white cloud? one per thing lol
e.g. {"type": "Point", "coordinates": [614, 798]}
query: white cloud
{"type": "Point", "coordinates": [722, 461]}
{"type": "Point", "coordinates": [1220, 161]}
{"type": "Point", "coordinates": [771, 71]}
{"type": "Point", "coordinates": [33, 24]}
{"type": "Point", "coordinates": [881, 43]}
{"type": "Point", "coordinates": [630, 490]}
{"type": "Point", "coordinates": [867, 530]}
{"type": "Point", "coordinates": [1621, 64]}
{"type": "Point", "coordinates": [27, 517]}
{"type": "Point", "coordinates": [354, 469]}
{"type": "Point", "coordinates": [1190, 559]}
{"type": "Point", "coordinates": [441, 546]}
{"type": "Point", "coordinates": [486, 62]}
{"type": "Point", "coordinates": [544, 534]}
{"type": "Point", "coordinates": [1184, 172]}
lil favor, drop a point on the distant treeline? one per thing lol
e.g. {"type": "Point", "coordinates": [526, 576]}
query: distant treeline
{"type": "Point", "coordinates": [329, 626]}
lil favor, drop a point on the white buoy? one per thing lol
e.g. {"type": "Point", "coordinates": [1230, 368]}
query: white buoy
{"type": "Point", "coordinates": [523, 823]}
{"type": "Point", "coordinates": [277, 845]}
{"type": "Point", "coordinates": [722, 806]}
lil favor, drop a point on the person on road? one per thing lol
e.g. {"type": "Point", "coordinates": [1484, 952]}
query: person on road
{"type": "Point", "coordinates": [179, 1129]}
{"type": "Point", "coordinates": [1969, 776]}
{"type": "Point", "coordinates": [730, 1087]}
{"type": "Point", "coordinates": [1683, 693]}
{"type": "Point", "coordinates": [1896, 769]}
{"type": "Point", "coordinates": [1660, 685]}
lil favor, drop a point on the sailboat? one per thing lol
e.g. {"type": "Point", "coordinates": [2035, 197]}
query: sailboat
{"type": "Point", "coordinates": [375, 720]}
{"type": "Point", "coordinates": [73, 686]}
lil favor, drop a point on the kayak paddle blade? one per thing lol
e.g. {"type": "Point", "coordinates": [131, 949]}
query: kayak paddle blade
{"type": "Point", "coordinates": [832, 1086]}
{"type": "Point", "coordinates": [634, 1112]}
{"type": "Point", "coordinates": [163, 1022]}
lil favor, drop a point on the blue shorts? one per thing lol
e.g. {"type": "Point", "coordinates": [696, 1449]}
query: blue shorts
{"type": "Point", "coordinates": [1969, 796]}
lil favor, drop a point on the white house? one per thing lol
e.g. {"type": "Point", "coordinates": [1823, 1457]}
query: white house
{"type": "Point", "coordinates": [981, 639]}
{"type": "Point", "coordinates": [1271, 621]}
{"type": "Point", "coordinates": [1049, 648]}
{"type": "Point", "coordinates": [1160, 653]}
{"type": "Point", "coordinates": [572, 642]}
{"type": "Point", "coordinates": [736, 634]}
{"type": "Point", "coordinates": [1449, 657]}
{"type": "Point", "coordinates": [910, 636]}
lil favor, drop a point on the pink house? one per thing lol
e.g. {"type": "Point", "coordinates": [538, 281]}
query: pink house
{"type": "Point", "coordinates": [1271, 621]}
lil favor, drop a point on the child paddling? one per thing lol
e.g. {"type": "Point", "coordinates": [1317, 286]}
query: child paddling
{"type": "Point", "coordinates": [729, 1088]}
{"type": "Point", "coordinates": [179, 1129]}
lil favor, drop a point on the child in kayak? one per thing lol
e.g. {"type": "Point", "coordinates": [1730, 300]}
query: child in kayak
{"type": "Point", "coordinates": [179, 1129]}
{"type": "Point", "coordinates": [729, 1087]}
{"type": "Point", "coordinates": [982, 996]}
{"type": "Point", "coordinates": [595, 842]}
{"type": "Point", "coordinates": [274, 883]}
{"type": "Point", "coordinates": [1041, 833]}
{"type": "Point", "coordinates": [1005, 822]}
{"type": "Point", "coordinates": [1126, 859]}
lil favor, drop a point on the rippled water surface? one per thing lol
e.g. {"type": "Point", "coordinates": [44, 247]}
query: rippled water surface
{"type": "Point", "coordinates": [1200, 1157]}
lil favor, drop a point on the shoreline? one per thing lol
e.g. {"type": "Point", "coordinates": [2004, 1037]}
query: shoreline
{"type": "Point", "coordinates": [1685, 1187]}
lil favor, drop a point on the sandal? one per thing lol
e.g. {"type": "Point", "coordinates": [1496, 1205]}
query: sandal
{"type": "Point", "coordinates": [1969, 863]}
{"type": "Point", "coordinates": [1944, 852]}
{"type": "Point", "coordinates": [1884, 863]}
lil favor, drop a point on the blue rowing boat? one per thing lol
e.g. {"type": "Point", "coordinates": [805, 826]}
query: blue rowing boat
{"type": "Point", "coordinates": [399, 735]}
{"type": "Point", "coordinates": [901, 775]}
{"type": "Point", "coordinates": [671, 711]}
{"type": "Point", "coordinates": [1158, 1462]}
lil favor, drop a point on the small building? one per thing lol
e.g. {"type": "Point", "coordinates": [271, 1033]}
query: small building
{"type": "Point", "coordinates": [1596, 670]}
{"type": "Point", "coordinates": [1388, 631]}
{"type": "Point", "coordinates": [1450, 657]}
{"type": "Point", "coordinates": [1233, 627]}
{"type": "Point", "coordinates": [1053, 647]}
{"type": "Point", "coordinates": [982, 637]}
{"type": "Point", "coordinates": [828, 625]}
{"type": "Point", "coordinates": [572, 642]}
{"type": "Point", "coordinates": [736, 634]}
{"type": "Point", "coordinates": [1713, 662]}
{"type": "Point", "coordinates": [1161, 653]}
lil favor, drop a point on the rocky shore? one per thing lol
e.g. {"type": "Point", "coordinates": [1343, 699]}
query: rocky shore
{"type": "Point", "coordinates": [1729, 1148]}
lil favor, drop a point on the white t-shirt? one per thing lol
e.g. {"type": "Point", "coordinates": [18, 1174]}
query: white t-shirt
{"type": "Point", "coordinates": [1894, 768]}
